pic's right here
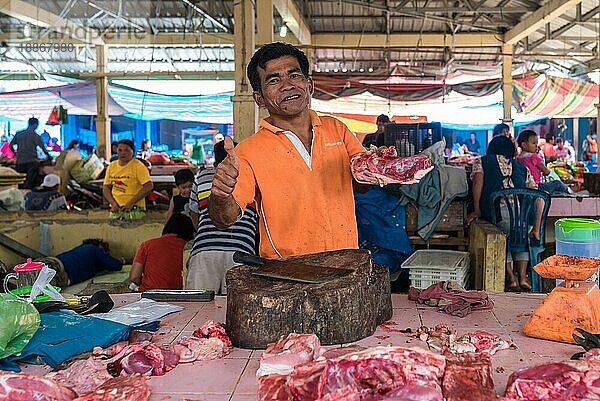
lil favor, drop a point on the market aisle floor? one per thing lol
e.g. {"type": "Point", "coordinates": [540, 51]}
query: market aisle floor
{"type": "Point", "coordinates": [233, 378]}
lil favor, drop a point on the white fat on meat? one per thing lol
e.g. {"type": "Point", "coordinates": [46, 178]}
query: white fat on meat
{"type": "Point", "coordinates": [83, 376]}
{"type": "Point", "coordinates": [294, 349]}
{"type": "Point", "coordinates": [190, 349]}
{"type": "Point", "coordinates": [22, 386]}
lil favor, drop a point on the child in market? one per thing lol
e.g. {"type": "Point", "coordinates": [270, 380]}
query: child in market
{"type": "Point", "coordinates": [530, 158]}
{"type": "Point", "coordinates": [184, 179]}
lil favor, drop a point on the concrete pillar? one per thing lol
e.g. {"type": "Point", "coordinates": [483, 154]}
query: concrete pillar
{"type": "Point", "coordinates": [507, 84]}
{"type": "Point", "coordinates": [102, 117]}
{"type": "Point", "coordinates": [244, 108]}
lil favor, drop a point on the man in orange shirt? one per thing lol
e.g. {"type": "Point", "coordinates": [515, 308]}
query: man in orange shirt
{"type": "Point", "coordinates": [296, 167]}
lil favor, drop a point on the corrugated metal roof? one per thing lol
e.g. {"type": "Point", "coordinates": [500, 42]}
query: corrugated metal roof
{"type": "Point", "coordinates": [568, 41]}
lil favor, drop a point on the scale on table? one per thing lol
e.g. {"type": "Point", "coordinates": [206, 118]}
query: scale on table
{"type": "Point", "coordinates": [574, 303]}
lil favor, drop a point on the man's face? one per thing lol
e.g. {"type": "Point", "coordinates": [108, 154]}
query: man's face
{"type": "Point", "coordinates": [505, 132]}
{"type": "Point", "coordinates": [473, 137]}
{"type": "Point", "coordinates": [285, 90]}
{"type": "Point", "coordinates": [380, 127]}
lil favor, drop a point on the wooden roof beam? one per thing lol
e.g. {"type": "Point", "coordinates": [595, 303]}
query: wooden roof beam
{"type": "Point", "coordinates": [536, 20]}
{"type": "Point", "coordinates": [294, 20]}
{"type": "Point", "coordinates": [557, 34]}
{"type": "Point", "coordinates": [37, 16]}
{"type": "Point", "coordinates": [322, 40]}
{"type": "Point", "coordinates": [383, 41]}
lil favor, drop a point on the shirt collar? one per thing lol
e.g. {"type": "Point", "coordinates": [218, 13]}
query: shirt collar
{"type": "Point", "coordinates": [314, 121]}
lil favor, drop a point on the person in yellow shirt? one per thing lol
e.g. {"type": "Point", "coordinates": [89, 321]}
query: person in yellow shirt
{"type": "Point", "coordinates": [127, 181]}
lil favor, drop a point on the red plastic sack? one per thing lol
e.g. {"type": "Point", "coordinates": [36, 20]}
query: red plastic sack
{"type": "Point", "coordinates": [54, 118]}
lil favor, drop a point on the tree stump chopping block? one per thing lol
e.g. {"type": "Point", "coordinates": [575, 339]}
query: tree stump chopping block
{"type": "Point", "coordinates": [260, 310]}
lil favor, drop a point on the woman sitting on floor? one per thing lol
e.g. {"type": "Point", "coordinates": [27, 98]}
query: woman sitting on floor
{"type": "Point", "coordinates": [158, 262]}
{"type": "Point", "coordinates": [495, 171]}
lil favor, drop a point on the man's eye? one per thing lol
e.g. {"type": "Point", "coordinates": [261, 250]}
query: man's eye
{"type": "Point", "coordinates": [295, 75]}
{"type": "Point", "coordinates": [272, 81]}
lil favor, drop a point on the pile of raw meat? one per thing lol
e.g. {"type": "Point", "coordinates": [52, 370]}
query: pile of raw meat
{"type": "Point", "coordinates": [382, 166]}
{"type": "Point", "coordinates": [118, 372]}
{"type": "Point", "coordinates": [442, 338]}
{"type": "Point", "coordinates": [567, 381]}
{"type": "Point", "coordinates": [296, 368]}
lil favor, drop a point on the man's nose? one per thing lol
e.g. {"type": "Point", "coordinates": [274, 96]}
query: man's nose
{"type": "Point", "coordinates": [286, 83]}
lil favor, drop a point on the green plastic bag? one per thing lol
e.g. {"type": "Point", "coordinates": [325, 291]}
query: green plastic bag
{"type": "Point", "coordinates": [19, 321]}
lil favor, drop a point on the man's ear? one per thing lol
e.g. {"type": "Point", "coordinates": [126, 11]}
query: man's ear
{"type": "Point", "coordinates": [258, 98]}
{"type": "Point", "coordinates": [311, 86]}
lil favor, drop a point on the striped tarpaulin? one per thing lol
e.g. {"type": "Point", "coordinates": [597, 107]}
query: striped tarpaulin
{"type": "Point", "coordinates": [557, 97]}
{"type": "Point", "coordinates": [80, 99]}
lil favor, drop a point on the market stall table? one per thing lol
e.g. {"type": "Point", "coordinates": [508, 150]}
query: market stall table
{"type": "Point", "coordinates": [234, 377]}
{"type": "Point", "coordinates": [575, 206]}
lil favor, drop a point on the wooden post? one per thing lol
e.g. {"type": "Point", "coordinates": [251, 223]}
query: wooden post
{"type": "Point", "coordinates": [264, 22]}
{"type": "Point", "coordinates": [102, 117]}
{"type": "Point", "coordinates": [264, 33]}
{"type": "Point", "coordinates": [507, 84]}
{"type": "Point", "coordinates": [244, 107]}
{"type": "Point", "coordinates": [487, 246]}
{"type": "Point", "coordinates": [576, 137]}
{"type": "Point", "coordinates": [598, 129]}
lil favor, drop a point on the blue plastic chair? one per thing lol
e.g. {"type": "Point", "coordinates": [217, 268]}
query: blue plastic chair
{"type": "Point", "coordinates": [522, 212]}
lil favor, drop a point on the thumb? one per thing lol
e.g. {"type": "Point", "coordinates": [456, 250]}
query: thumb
{"type": "Point", "coordinates": [230, 149]}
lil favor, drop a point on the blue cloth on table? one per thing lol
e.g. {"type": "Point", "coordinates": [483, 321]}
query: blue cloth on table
{"type": "Point", "coordinates": [382, 228]}
{"type": "Point", "coordinates": [64, 334]}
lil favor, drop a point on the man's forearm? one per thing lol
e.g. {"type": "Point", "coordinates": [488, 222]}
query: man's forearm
{"type": "Point", "coordinates": [223, 212]}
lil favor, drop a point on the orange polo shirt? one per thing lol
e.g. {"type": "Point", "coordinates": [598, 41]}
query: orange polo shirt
{"type": "Point", "coordinates": [302, 210]}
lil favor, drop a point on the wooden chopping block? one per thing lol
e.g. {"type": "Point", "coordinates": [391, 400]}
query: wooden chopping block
{"type": "Point", "coordinates": [260, 310]}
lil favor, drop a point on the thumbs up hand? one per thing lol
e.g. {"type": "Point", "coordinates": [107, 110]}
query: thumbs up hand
{"type": "Point", "coordinates": [227, 172]}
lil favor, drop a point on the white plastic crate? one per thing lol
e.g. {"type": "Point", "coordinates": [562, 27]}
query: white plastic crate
{"type": "Point", "coordinates": [428, 267]}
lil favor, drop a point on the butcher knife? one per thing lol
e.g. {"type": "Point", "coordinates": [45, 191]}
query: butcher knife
{"type": "Point", "coordinates": [289, 270]}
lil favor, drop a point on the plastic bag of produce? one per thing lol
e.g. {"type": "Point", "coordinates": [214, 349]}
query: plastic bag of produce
{"type": "Point", "coordinates": [87, 169]}
{"type": "Point", "coordinates": [19, 321]}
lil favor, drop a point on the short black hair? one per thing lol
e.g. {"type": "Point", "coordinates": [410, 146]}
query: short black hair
{"type": "Point", "coordinates": [184, 175]}
{"type": "Point", "coordinates": [181, 225]}
{"type": "Point", "coordinates": [502, 145]}
{"type": "Point", "coordinates": [273, 51]}
{"type": "Point", "coordinates": [73, 143]}
{"type": "Point", "coordinates": [499, 128]}
{"type": "Point", "coordinates": [220, 153]}
{"type": "Point", "coordinates": [382, 118]}
{"type": "Point", "coordinates": [549, 137]}
{"type": "Point", "coordinates": [127, 142]}
{"type": "Point", "coordinates": [97, 242]}
{"type": "Point", "coordinates": [33, 121]}
{"type": "Point", "coordinates": [525, 135]}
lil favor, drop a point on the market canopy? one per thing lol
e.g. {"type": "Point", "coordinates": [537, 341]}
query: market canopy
{"type": "Point", "coordinates": [536, 97]}
{"type": "Point", "coordinates": [557, 97]}
{"type": "Point", "coordinates": [80, 99]}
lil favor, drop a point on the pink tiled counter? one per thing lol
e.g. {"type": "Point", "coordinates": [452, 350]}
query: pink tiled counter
{"type": "Point", "coordinates": [233, 378]}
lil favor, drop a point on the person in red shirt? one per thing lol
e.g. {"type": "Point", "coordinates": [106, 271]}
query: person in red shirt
{"type": "Point", "coordinates": [158, 262]}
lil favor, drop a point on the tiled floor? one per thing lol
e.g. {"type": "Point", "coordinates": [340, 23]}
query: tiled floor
{"type": "Point", "coordinates": [233, 378]}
